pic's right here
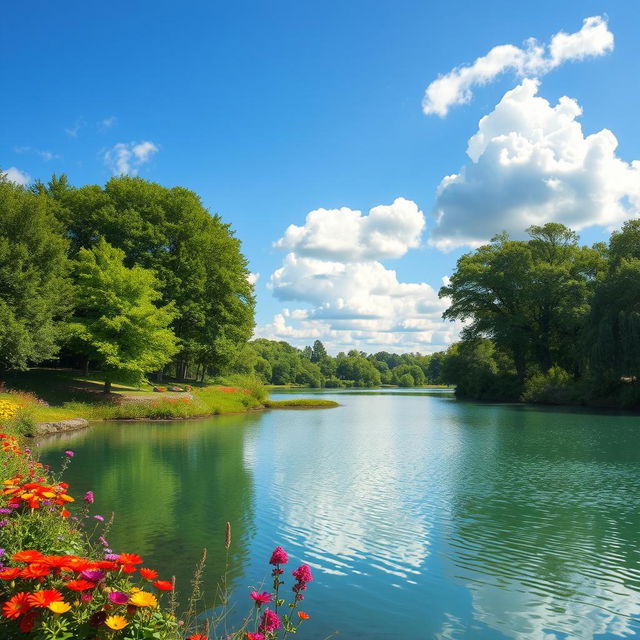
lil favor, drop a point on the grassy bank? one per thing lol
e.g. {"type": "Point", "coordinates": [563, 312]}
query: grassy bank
{"type": "Point", "coordinates": [52, 396]}
{"type": "Point", "coordinates": [300, 403]}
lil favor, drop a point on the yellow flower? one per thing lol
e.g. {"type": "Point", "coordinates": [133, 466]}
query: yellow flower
{"type": "Point", "coordinates": [143, 599]}
{"type": "Point", "coordinates": [59, 606]}
{"type": "Point", "coordinates": [116, 622]}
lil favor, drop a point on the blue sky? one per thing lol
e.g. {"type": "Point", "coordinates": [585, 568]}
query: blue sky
{"type": "Point", "coordinates": [272, 110]}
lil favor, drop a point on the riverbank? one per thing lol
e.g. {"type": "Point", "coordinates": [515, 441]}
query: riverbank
{"type": "Point", "coordinates": [32, 414]}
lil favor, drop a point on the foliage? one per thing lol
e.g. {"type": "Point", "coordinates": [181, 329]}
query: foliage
{"type": "Point", "coordinates": [117, 322]}
{"type": "Point", "coordinates": [34, 286]}
{"type": "Point", "coordinates": [197, 260]}
{"type": "Point", "coordinates": [59, 580]}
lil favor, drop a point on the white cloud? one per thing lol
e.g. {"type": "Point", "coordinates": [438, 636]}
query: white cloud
{"type": "Point", "coordinates": [45, 155]}
{"type": "Point", "coordinates": [15, 175]}
{"type": "Point", "coordinates": [531, 163]}
{"type": "Point", "coordinates": [253, 277]}
{"type": "Point", "coordinates": [347, 297]}
{"type": "Point", "coordinates": [73, 131]}
{"type": "Point", "coordinates": [455, 87]}
{"type": "Point", "coordinates": [388, 231]}
{"type": "Point", "coordinates": [125, 158]}
{"type": "Point", "coordinates": [107, 123]}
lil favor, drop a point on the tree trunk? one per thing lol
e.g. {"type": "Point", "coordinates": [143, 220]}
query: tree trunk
{"type": "Point", "coordinates": [160, 375]}
{"type": "Point", "coordinates": [85, 368]}
{"type": "Point", "coordinates": [107, 386]}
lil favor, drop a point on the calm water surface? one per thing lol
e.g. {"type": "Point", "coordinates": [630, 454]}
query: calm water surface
{"type": "Point", "coordinates": [422, 517]}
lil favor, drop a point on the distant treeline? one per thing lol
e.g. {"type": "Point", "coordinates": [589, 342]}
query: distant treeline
{"type": "Point", "coordinates": [548, 320]}
{"type": "Point", "coordinates": [280, 363]}
{"type": "Point", "coordinates": [130, 278]}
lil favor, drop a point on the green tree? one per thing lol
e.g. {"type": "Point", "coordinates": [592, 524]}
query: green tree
{"type": "Point", "coordinates": [195, 256]}
{"type": "Point", "coordinates": [34, 284]}
{"type": "Point", "coordinates": [117, 323]}
{"type": "Point", "coordinates": [318, 352]}
{"type": "Point", "coordinates": [531, 298]}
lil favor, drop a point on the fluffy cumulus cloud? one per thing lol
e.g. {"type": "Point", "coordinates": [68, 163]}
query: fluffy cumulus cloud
{"type": "Point", "coordinates": [341, 293]}
{"type": "Point", "coordinates": [15, 175]}
{"type": "Point", "coordinates": [388, 231]}
{"type": "Point", "coordinates": [534, 60]}
{"type": "Point", "coordinates": [531, 163]}
{"type": "Point", "coordinates": [125, 158]}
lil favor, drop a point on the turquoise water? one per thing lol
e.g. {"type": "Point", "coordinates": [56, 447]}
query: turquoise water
{"type": "Point", "coordinates": [421, 517]}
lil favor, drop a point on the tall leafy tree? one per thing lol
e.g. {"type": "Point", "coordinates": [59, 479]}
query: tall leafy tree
{"type": "Point", "coordinates": [615, 316]}
{"type": "Point", "coordinates": [34, 284]}
{"type": "Point", "coordinates": [531, 298]}
{"type": "Point", "coordinates": [117, 322]}
{"type": "Point", "coordinates": [194, 254]}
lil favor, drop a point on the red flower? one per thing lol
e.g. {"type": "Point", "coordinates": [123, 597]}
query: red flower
{"type": "Point", "coordinates": [129, 568]}
{"type": "Point", "coordinates": [148, 574]}
{"type": "Point", "coordinates": [303, 616]}
{"type": "Point", "coordinates": [35, 570]}
{"type": "Point", "coordinates": [29, 555]}
{"type": "Point", "coordinates": [197, 636]}
{"type": "Point", "coordinates": [163, 585]}
{"type": "Point", "coordinates": [79, 585]}
{"type": "Point", "coordinates": [26, 624]}
{"type": "Point", "coordinates": [16, 606]}
{"type": "Point", "coordinates": [10, 573]}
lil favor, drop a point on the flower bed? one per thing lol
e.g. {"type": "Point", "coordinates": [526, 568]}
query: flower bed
{"type": "Point", "coordinates": [57, 583]}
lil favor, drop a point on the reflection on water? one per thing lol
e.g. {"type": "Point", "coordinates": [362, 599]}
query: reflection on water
{"type": "Point", "coordinates": [422, 517]}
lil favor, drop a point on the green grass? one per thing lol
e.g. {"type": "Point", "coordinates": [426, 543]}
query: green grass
{"type": "Point", "coordinates": [301, 403]}
{"type": "Point", "coordinates": [66, 394]}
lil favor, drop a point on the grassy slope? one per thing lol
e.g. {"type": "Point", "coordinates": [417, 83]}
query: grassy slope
{"type": "Point", "coordinates": [66, 394]}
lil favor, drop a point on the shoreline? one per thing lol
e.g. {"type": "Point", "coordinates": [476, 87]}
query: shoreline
{"type": "Point", "coordinates": [75, 424]}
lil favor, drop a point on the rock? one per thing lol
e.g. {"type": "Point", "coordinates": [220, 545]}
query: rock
{"type": "Point", "coordinates": [64, 425]}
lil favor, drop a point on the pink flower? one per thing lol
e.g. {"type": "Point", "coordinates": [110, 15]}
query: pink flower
{"type": "Point", "coordinates": [88, 497]}
{"type": "Point", "coordinates": [279, 556]}
{"type": "Point", "coordinates": [69, 453]}
{"type": "Point", "coordinates": [86, 597]}
{"type": "Point", "coordinates": [269, 621]}
{"type": "Point", "coordinates": [260, 598]}
{"type": "Point", "coordinates": [117, 597]}
{"type": "Point", "coordinates": [303, 574]}
{"type": "Point", "coordinates": [255, 636]}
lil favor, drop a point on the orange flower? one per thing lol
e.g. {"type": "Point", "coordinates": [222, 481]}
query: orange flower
{"type": "Point", "coordinates": [44, 598]}
{"type": "Point", "coordinates": [10, 573]}
{"type": "Point", "coordinates": [197, 636]}
{"type": "Point", "coordinates": [79, 585]}
{"type": "Point", "coordinates": [129, 568]}
{"type": "Point", "coordinates": [129, 558]}
{"type": "Point", "coordinates": [163, 585]}
{"type": "Point", "coordinates": [16, 606]}
{"type": "Point", "coordinates": [116, 622]}
{"type": "Point", "coordinates": [29, 555]}
{"type": "Point", "coordinates": [148, 574]}
{"type": "Point", "coordinates": [303, 616]}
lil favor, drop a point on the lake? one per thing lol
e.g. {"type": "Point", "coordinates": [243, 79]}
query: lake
{"type": "Point", "coordinates": [421, 517]}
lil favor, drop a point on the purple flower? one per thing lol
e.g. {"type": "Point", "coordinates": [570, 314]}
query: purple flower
{"type": "Point", "coordinates": [95, 575]}
{"type": "Point", "coordinates": [111, 556]}
{"type": "Point", "coordinates": [279, 556]}
{"type": "Point", "coordinates": [103, 541]}
{"type": "Point", "coordinates": [269, 621]}
{"type": "Point", "coordinates": [117, 597]}
{"type": "Point", "coordinates": [303, 573]}
{"type": "Point", "coordinates": [6, 510]}
{"type": "Point", "coordinates": [99, 517]}
{"type": "Point", "coordinates": [1, 552]}
{"type": "Point", "coordinates": [4, 523]}
{"type": "Point", "coordinates": [88, 497]}
{"type": "Point", "coordinates": [27, 450]}
{"type": "Point", "coordinates": [69, 453]}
